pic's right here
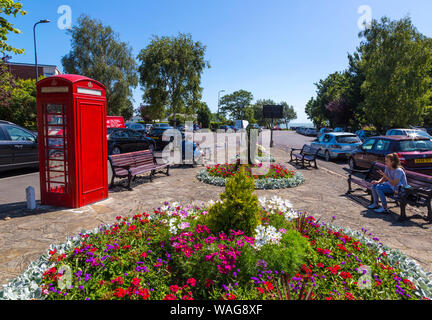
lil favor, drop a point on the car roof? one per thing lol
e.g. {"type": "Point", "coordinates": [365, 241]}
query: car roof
{"type": "Point", "coordinates": [339, 134]}
{"type": "Point", "coordinates": [400, 138]}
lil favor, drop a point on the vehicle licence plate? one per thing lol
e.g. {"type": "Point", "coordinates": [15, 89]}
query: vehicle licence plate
{"type": "Point", "coordinates": [429, 160]}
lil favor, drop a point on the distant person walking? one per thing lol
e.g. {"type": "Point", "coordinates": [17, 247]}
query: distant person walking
{"type": "Point", "coordinates": [393, 177]}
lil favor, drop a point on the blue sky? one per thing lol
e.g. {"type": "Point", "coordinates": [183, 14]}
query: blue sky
{"type": "Point", "coordinates": [276, 49]}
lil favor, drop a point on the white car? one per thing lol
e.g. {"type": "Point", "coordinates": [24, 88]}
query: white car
{"type": "Point", "coordinates": [408, 132]}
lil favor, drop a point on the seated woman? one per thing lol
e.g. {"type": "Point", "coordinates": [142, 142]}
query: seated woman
{"type": "Point", "coordinates": [393, 177]}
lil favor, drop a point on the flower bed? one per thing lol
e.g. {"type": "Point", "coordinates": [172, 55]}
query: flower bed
{"type": "Point", "coordinates": [171, 255]}
{"type": "Point", "coordinates": [277, 176]}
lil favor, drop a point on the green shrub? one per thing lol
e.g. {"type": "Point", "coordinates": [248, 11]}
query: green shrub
{"type": "Point", "coordinates": [239, 209]}
{"type": "Point", "coordinates": [287, 256]}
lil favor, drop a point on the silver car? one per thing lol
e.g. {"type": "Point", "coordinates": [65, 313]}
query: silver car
{"type": "Point", "coordinates": [336, 145]}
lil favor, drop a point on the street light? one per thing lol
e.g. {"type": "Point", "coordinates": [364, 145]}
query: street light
{"type": "Point", "coordinates": [219, 103]}
{"type": "Point", "coordinates": [34, 36]}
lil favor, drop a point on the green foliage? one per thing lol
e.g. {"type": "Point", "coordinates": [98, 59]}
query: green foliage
{"type": "Point", "coordinates": [19, 104]}
{"type": "Point", "coordinates": [427, 116]}
{"type": "Point", "coordinates": [9, 8]}
{"type": "Point", "coordinates": [387, 83]}
{"type": "Point", "coordinates": [170, 74]}
{"type": "Point", "coordinates": [98, 53]}
{"type": "Point", "coordinates": [236, 105]}
{"type": "Point", "coordinates": [204, 115]}
{"type": "Point", "coordinates": [397, 61]}
{"type": "Point", "coordinates": [239, 209]}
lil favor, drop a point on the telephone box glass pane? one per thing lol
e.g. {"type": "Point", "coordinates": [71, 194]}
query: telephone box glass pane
{"type": "Point", "coordinates": [56, 154]}
{"type": "Point", "coordinates": [55, 119]}
{"type": "Point", "coordinates": [56, 143]}
{"type": "Point", "coordinates": [54, 131]}
{"type": "Point", "coordinates": [54, 109]}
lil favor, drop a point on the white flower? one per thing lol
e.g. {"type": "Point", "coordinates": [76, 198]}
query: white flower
{"type": "Point", "coordinates": [264, 235]}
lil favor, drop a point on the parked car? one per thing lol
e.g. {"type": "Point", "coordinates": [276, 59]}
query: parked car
{"type": "Point", "coordinates": [365, 134]}
{"type": "Point", "coordinates": [415, 153]}
{"type": "Point", "coordinates": [408, 132]}
{"type": "Point", "coordinates": [227, 128]}
{"type": "Point", "coordinates": [256, 127]}
{"type": "Point", "coordinates": [127, 140]}
{"type": "Point", "coordinates": [339, 130]}
{"type": "Point", "coordinates": [137, 127]}
{"type": "Point", "coordinates": [18, 147]}
{"type": "Point", "coordinates": [156, 134]}
{"type": "Point", "coordinates": [336, 145]}
{"type": "Point", "coordinates": [323, 131]}
{"type": "Point", "coordinates": [311, 132]}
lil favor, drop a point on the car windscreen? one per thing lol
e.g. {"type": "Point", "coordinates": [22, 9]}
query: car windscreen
{"type": "Point", "coordinates": [110, 130]}
{"type": "Point", "coordinates": [370, 133]}
{"type": "Point", "coordinates": [158, 131]}
{"type": "Point", "coordinates": [415, 145]}
{"type": "Point", "coordinates": [348, 139]}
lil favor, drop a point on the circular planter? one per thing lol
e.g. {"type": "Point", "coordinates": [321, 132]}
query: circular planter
{"type": "Point", "coordinates": [260, 184]}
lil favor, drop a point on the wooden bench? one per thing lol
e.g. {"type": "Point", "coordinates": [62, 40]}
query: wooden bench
{"type": "Point", "coordinates": [419, 193]}
{"type": "Point", "coordinates": [135, 163]}
{"type": "Point", "coordinates": [307, 154]}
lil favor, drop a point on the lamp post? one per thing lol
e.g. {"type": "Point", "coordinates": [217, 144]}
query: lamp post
{"type": "Point", "coordinates": [219, 103]}
{"type": "Point", "coordinates": [34, 37]}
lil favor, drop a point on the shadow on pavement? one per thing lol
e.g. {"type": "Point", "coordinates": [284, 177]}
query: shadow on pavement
{"type": "Point", "coordinates": [19, 209]}
{"type": "Point", "coordinates": [391, 217]}
{"type": "Point", "coordinates": [17, 172]}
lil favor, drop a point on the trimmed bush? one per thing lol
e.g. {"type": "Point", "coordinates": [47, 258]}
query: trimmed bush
{"type": "Point", "coordinates": [239, 209]}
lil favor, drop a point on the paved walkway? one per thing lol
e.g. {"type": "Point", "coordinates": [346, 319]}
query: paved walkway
{"type": "Point", "coordinates": [24, 236]}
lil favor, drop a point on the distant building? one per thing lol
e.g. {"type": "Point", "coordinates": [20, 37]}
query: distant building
{"type": "Point", "coordinates": [28, 71]}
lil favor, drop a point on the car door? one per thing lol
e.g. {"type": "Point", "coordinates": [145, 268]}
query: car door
{"type": "Point", "coordinates": [361, 158]}
{"type": "Point", "coordinates": [137, 141]}
{"type": "Point", "coordinates": [6, 151]}
{"type": "Point", "coordinates": [380, 149]}
{"type": "Point", "coordinates": [24, 145]}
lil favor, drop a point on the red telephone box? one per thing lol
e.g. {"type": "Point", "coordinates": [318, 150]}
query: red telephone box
{"type": "Point", "coordinates": [72, 138]}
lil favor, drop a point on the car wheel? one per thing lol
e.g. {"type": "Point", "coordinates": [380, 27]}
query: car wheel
{"type": "Point", "coordinates": [116, 150]}
{"type": "Point", "coordinates": [327, 156]}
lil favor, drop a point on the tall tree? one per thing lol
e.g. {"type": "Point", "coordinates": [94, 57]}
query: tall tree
{"type": "Point", "coordinates": [204, 115]}
{"type": "Point", "coordinates": [170, 73]}
{"type": "Point", "coordinates": [9, 8]}
{"type": "Point", "coordinates": [396, 60]}
{"type": "Point", "coordinates": [98, 53]}
{"type": "Point", "coordinates": [289, 113]}
{"type": "Point", "coordinates": [235, 105]}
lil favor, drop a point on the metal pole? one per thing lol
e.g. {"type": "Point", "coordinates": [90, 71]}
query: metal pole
{"type": "Point", "coordinates": [34, 38]}
{"type": "Point", "coordinates": [36, 63]}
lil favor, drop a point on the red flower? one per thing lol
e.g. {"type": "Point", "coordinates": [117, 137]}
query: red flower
{"type": "Point", "coordinates": [136, 282]}
{"type": "Point", "coordinates": [329, 298]}
{"type": "Point", "coordinates": [132, 228]}
{"type": "Point", "coordinates": [53, 252]}
{"type": "Point", "coordinates": [119, 293]}
{"type": "Point", "coordinates": [144, 293]}
{"type": "Point", "coordinates": [144, 255]}
{"type": "Point", "coordinates": [118, 279]}
{"type": "Point", "coordinates": [261, 290]}
{"type": "Point", "coordinates": [269, 286]}
{"type": "Point", "coordinates": [170, 297]}
{"type": "Point", "coordinates": [230, 296]}
{"type": "Point", "coordinates": [345, 275]}
{"type": "Point", "coordinates": [320, 265]}
{"type": "Point", "coordinates": [191, 282]}
{"type": "Point", "coordinates": [208, 283]}
{"type": "Point", "coordinates": [349, 296]}
{"type": "Point", "coordinates": [341, 247]}
{"type": "Point", "coordinates": [334, 270]}
{"type": "Point", "coordinates": [174, 288]}
{"type": "Point", "coordinates": [118, 218]}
